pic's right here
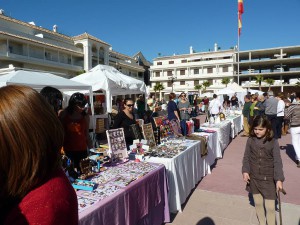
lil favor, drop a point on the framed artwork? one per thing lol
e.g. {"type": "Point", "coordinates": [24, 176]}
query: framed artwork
{"type": "Point", "coordinates": [117, 144]}
{"type": "Point", "coordinates": [148, 134]}
{"type": "Point", "coordinates": [176, 127]}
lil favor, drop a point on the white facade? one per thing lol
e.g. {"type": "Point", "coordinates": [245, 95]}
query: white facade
{"type": "Point", "coordinates": [26, 45]}
{"type": "Point", "coordinates": [193, 69]}
{"type": "Point", "coordinates": [280, 64]}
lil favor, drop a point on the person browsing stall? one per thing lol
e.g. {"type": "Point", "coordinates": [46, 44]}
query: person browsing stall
{"type": "Point", "coordinates": [172, 108]}
{"type": "Point", "coordinates": [54, 97]}
{"type": "Point", "coordinates": [262, 169]}
{"type": "Point", "coordinates": [76, 122]}
{"type": "Point", "coordinates": [34, 188]}
{"type": "Point", "coordinates": [292, 112]}
{"type": "Point", "coordinates": [214, 106]}
{"type": "Point", "coordinates": [124, 119]}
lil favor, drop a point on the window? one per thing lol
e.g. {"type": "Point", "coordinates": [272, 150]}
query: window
{"type": "Point", "coordinates": [182, 82]}
{"type": "Point", "coordinates": [169, 84]}
{"type": "Point", "coordinates": [157, 74]}
{"type": "Point", "coordinates": [182, 72]}
{"type": "Point", "coordinates": [159, 63]}
{"type": "Point", "coordinates": [171, 62]}
{"type": "Point", "coordinates": [169, 73]}
{"type": "Point", "coordinates": [209, 70]}
{"type": "Point", "coordinates": [226, 57]}
{"type": "Point", "coordinates": [183, 61]}
{"type": "Point", "coordinates": [196, 82]}
{"type": "Point", "coordinates": [196, 71]}
{"type": "Point", "coordinates": [225, 69]}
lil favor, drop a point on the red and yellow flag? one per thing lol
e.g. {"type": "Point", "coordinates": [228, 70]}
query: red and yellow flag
{"type": "Point", "coordinates": [240, 12]}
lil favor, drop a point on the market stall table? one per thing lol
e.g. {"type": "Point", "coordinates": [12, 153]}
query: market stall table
{"type": "Point", "coordinates": [236, 124]}
{"type": "Point", "coordinates": [184, 171]}
{"type": "Point", "coordinates": [143, 201]}
{"type": "Point", "coordinates": [223, 132]}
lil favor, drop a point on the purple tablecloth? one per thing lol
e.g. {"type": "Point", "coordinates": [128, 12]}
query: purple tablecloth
{"type": "Point", "coordinates": [143, 202]}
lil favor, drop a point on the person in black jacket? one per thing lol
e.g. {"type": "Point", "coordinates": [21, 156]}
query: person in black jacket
{"type": "Point", "coordinates": [124, 119]}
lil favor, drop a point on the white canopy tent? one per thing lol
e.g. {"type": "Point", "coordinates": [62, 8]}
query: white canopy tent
{"type": "Point", "coordinates": [39, 80]}
{"type": "Point", "coordinates": [111, 82]}
{"type": "Point", "coordinates": [232, 89]}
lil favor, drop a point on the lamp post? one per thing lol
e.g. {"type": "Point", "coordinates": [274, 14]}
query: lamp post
{"type": "Point", "coordinates": [172, 79]}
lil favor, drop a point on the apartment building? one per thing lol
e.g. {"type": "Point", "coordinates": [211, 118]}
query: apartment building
{"type": "Point", "coordinates": [26, 45]}
{"type": "Point", "coordinates": [281, 64]}
{"type": "Point", "coordinates": [182, 72]}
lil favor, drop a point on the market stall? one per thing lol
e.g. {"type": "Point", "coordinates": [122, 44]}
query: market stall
{"type": "Point", "coordinates": [38, 80]}
{"type": "Point", "coordinates": [185, 168]}
{"type": "Point", "coordinates": [123, 196]}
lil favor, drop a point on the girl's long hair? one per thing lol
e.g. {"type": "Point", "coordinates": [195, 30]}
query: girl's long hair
{"type": "Point", "coordinates": [262, 121]}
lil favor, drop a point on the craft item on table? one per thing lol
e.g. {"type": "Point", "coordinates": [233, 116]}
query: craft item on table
{"type": "Point", "coordinates": [148, 134]}
{"type": "Point", "coordinates": [136, 131]}
{"type": "Point", "coordinates": [98, 150]}
{"type": "Point", "coordinates": [139, 148]}
{"type": "Point", "coordinates": [122, 181]}
{"type": "Point", "coordinates": [101, 192]}
{"type": "Point", "coordinates": [140, 167]}
{"type": "Point", "coordinates": [158, 121]}
{"type": "Point", "coordinates": [84, 202]}
{"type": "Point", "coordinates": [211, 120]}
{"type": "Point", "coordinates": [140, 122]}
{"type": "Point", "coordinates": [84, 185]}
{"type": "Point", "coordinates": [176, 127]}
{"type": "Point", "coordinates": [217, 120]}
{"type": "Point", "coordinates": [117, 144]}
{"type": "Point", "coordinates": [190, 127]}
{"type": "Point", "coordinates": [203, 142]}
{"type": "Point", "coordinates": [165, 128]}
{"type": "Point", "coordinates": [222, 116]}
{"type": "Point", "coordinates": [86, 167]}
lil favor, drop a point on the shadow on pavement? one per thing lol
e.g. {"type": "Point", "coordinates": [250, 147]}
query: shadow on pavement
{"type": "Point", "coordinates": [206, 221]}
{"type": "Point", "coordinates": [289, 150]}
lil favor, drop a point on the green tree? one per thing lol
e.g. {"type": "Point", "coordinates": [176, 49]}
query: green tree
{"type": "Point", "coordinates": [226, 81]}
{"type": "Point", "coordinates": [198, 87]}
{"type": "Point", "coordinates": [205, 84]}
{"type": "Point", "coordinates": [269, 81]}
{"type": "Point", "coordinates": [158, 87]}
{"type": "Point", "coordinates": [259, 79]}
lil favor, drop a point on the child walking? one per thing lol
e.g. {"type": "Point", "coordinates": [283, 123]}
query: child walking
{"type": "Point", "coordinates": [262, 169]}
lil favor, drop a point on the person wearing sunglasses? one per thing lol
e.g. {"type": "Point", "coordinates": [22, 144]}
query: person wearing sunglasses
{"type": "Point", "coordinates": [124, 119]}
{"type": "Point", "coordinates": [76, 122]}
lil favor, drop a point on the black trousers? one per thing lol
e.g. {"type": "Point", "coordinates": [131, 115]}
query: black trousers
{"type": "Point", "coordinates": [279, 122]}
{"type": "Point", "coordinates": [273, 120]}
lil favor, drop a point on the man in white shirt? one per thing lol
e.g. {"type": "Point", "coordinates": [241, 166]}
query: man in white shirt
{"type": "Point", "coordinates": [214, 106]}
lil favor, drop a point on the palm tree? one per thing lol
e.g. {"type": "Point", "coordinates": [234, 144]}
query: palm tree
{"type": "Point", "coordinates": [259, 79]}
{"type": "Point", "coordinates": [158, 87]}
{"type": "Point", "coordinates": [206, 84]}
{"type": "Point", "coordinates": [225, 81]}
{"type": "Point", "coordinates": [198, 87]}
{"type": "Point", "coordinates": [270, 81]}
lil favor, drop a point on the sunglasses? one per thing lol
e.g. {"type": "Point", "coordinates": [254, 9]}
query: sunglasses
{"type": "Point", "coordinates": [130, 105]}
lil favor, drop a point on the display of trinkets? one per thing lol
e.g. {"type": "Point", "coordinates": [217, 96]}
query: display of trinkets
{"type": "Point", "coordinates": [84, 185]}
{"type": "Point", "coordinates": [148, 134]}
{"type": "Point", "coordinates": [86, 169]}
{"type": "Point", "coordinates": [110, 181]}
{"type": "Point", "coordinates": [101, 192]}
{"type": "Point", "coordinates": [84, 202]}
{"type": "Point", "coordinates": [176, 127]}
{"type": "Point", "coordinates": [117, 144]}
{"type": "Point", "coordinates": [169, 149]}
{"type": "Point", "coordinates": [136, 131]}
{"type": "Point", "coordinates": [139, 147]}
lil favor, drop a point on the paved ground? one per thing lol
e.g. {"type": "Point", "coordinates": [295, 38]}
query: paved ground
{"type": "Point", "coordinates": [220, 198]}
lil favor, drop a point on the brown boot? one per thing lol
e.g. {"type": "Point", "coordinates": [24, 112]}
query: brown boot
{"type": "Point", "coordinates": [286, 127]}
{"type": "Point", "coordinates": [283, 132]}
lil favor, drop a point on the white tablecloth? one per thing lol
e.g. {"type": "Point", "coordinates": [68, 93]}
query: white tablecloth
{"type": "Point", "coordinates": [183, 172]}
{"type": "Point", "coordinates": [214, 150]}
{"type": "Point", "coordinates": [236, 124]}
{"type": "Point", "coordinates": [223, 132]}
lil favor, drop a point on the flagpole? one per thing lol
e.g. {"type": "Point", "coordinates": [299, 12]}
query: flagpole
{"type": "Point", "coordinates": [238, 55]}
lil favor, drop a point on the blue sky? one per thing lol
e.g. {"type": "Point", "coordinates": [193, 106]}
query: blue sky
{"type": "Point", "coordinates": [167, 26]}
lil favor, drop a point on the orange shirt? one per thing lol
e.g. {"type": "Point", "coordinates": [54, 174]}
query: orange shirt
{"type": "Point", "coordinates": [75, 134]}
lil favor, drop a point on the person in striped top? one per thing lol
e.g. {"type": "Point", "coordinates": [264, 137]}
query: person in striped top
{"type": "Point", "coordinates": [293, 113]}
